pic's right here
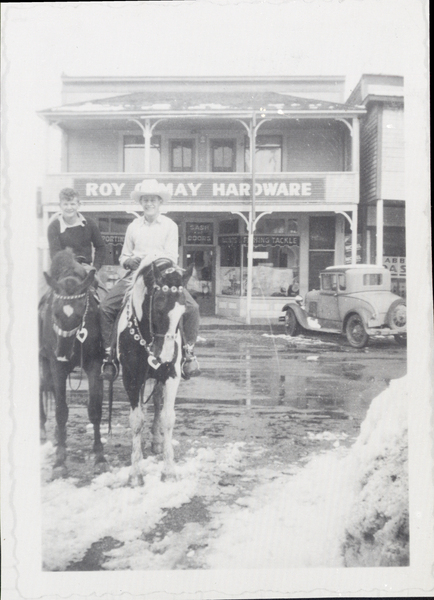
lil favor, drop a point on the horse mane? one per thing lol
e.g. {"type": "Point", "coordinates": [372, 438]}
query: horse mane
{"type": "Point", "coordinates": [64, 265]}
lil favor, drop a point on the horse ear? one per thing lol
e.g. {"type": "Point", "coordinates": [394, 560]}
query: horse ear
{"type": "Point", "coordinates": [187, 274]}
{"type": "Point", "coordinates": [89, 279]}
{"type": "Point", "coordinates": [52, 282]}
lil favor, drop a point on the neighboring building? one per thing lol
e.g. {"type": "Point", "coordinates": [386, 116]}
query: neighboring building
{"type": "Point", "coordinates": [382, 186]}
{"type": "Point", "coordinates": [195, 135]}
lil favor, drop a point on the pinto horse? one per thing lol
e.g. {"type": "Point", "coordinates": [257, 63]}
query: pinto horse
{"type": "Point", "coordinates": [149, 349]}
{"type": "Point", "coordinates": [70, 337]}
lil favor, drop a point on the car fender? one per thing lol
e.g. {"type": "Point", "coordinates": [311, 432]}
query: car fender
{"type": "Point", "coordinates": [300, 313]}
{"type": "Point", "coordinates": [363, 313]}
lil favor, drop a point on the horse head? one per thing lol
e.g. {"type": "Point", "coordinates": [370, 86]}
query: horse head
{"type": "Point", "coordinates": [69, 302]}
{"type": "Point", "coordinates": [159, 303]}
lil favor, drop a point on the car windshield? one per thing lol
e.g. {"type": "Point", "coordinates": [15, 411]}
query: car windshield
{"type": "Point", "coordinates": [329, 282]}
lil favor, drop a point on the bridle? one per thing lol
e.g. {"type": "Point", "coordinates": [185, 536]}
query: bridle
{"type": "Point", "coordinates": [133, 325]}
{"type": "Point", "coordinates": [80, 331]}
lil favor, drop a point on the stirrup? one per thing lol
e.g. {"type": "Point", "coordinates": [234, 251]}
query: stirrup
{"type": "Point", "coordinates": [109, 370]}
{"type": "Point", "coordinates": [190, 365]}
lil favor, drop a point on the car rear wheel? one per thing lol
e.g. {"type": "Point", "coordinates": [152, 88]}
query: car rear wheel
{"type": "Point", "coordinates": [292, 326]}
{"type": "Point", "coordinates": [401, 339]}
{"type": "Point", "coordinates": [397, 315]}
{"type": "Point", "coordinates": [355, 332]}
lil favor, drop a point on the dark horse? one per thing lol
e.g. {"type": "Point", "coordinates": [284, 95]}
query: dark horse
{"type": "Point", "coordinates": [69, 337]}
{"type": "Point", "coordinates": [149, 349]}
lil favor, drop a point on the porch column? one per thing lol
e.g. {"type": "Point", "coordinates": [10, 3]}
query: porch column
{"type": "Point", "coordinates": [251, 224]}
{"type": "Point", "coordinates": [379, 223]}
{"type": "Point", "coordinates": [354, 237]}
{"type": "Point", "coordinates": [147, 134]}
{"type": "Point", "coordinates": [355, 151]}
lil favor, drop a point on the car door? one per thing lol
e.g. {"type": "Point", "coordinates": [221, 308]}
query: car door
{"type": "Point", "coordinates": [328, 306]}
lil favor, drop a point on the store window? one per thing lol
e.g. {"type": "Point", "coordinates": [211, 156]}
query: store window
{"type": "Point", "coordinates": [268, 155]}
{"type": "Point", "coordinates": [182, 155]}
{"type": "Point", "coordinates": [321, 247]}
{"type": "Point", "coordinates": [223, 156]}
{"type": "Point", "coordinates": [275, 261]}
{"type": "Point", "coordinates": [134, 154]}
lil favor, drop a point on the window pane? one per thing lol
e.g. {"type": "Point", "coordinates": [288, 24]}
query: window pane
{"type": "Point", "coordinates": [372, 279]}
{"type": "Point", "coordinates": [134, 153]}
{"type": "Point", "coordinates": [222, 155]}
{"type": "Point", "coordinates": [230, 226]}
{"type": "Point", "coordinates": [322, 233]}
{"type": "Point", "coordinates": [268, 154]}
{"type": "Point", "coordinates": [182, 155]}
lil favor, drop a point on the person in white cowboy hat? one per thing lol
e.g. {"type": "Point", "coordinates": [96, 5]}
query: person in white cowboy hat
{"type": "Point", "coordinates": [153, 236]}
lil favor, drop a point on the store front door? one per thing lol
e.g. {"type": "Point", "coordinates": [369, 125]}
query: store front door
{"type": "Point", "coordinates": [201, 284]}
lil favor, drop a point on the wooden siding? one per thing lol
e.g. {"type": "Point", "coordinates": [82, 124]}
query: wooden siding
{"type": "Point", "coordinates": [93, 151]}
{"type": "Point", "coordinates": [369, 155]}
{"type": "Point", "coordinates": [392, 176]}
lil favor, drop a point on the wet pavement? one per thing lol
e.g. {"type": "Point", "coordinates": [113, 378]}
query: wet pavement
{"type": "Point", "coordinates": [290, 396]}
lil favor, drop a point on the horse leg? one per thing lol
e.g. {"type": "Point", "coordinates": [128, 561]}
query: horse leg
{"type": "Point", "coordinates": [156, 429]}
{"type": "Point", "coordinates": [59, 384]}
{"type": "Point", "coordinates": [94, 410]}
{"type": "Point", "coordinates": [167, 423]}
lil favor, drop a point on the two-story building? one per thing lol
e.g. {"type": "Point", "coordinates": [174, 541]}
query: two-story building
{"type": "Point", "coordinates": [382, 185]}
{"type": "Point", "coordinates": [264, 176]}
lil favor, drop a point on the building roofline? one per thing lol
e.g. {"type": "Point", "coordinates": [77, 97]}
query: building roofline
{"type": "Point", "coordinates": [204, 78]}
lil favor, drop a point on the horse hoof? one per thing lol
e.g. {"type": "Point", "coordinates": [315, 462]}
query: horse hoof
{"type": "Point", "coordinates": [156, 448]}
{"type": "Point", "coordinates": [60, 472]}
{"type": "Point", "coordinates": [101, 466]}
{"type": "Point", "coordinates": [136, 480]}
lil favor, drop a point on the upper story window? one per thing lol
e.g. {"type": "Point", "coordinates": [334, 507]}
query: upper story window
{"type": "Point", "coordinates": [223, 156]}
{"type": "Point", "coordinates": [134, 153]}
{"type": "Point", "coordinates": [182, 155]}
{"type": "Point", "coordinates": [268, 156]}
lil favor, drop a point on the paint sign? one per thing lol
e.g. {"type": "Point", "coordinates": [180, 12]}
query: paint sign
{"type": "Point", "coordinates": [396, 265]}
{"type": "Point", "coordinates": [199, 233]}
{"type": "Point", "coordinates": [201, 189]}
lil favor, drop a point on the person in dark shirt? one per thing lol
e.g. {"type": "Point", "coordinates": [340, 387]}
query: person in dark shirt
{"type": "Point", "coordinates": [70, 229]}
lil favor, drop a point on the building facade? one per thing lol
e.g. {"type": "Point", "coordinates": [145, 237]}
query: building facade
{"type": "Point", "coordinates": [264, 176]}
{"type": "Point", "coordinates": [382, 185]}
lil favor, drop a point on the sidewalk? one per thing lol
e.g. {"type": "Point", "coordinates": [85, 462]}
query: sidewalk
{"type": "Point", "coordinates": [216, 322]}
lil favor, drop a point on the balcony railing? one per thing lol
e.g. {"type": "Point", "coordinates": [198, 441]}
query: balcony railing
{"type": "Point", "coordinates": [206, 191]}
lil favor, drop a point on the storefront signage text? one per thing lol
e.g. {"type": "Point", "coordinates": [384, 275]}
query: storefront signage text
{"type": "Point", "coordinates": [260, 240]}
{"type": "Point", "coordinates": [203, 189]}
{"type": "Point", "coordinates": [199, 233]}
{"type": "Point", "coordinates": [396, 265]}
{"type": "Point", "coordinates": [113, 238]}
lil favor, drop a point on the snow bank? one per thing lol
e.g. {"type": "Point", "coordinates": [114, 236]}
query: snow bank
{"type": "Point", "coordinates": [341, 509]}
{"type": "Point", "coordinates": [377, 533]}
{"type": "Point", "coordinates": [344, 507]}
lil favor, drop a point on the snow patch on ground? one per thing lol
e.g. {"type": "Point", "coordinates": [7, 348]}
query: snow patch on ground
{"type": "Point", "coordinates": [343, 507]}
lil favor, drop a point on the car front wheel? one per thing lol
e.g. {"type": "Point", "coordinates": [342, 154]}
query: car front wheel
{"type": "Point", "coordinates": [355, 332]}
{"type": "Point", "coordinates": [292, 326]}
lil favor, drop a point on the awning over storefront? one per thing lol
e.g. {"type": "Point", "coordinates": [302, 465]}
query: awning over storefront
{"type": "Point", "coordinates": [220, 104]}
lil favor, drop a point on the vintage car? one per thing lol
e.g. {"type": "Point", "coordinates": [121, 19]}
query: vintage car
{"type": "Point", "coordinates": [352, 299]}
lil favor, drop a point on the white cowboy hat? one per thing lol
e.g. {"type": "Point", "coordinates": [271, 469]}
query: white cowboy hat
{"type": "Point", "coordinates": [150, 187]}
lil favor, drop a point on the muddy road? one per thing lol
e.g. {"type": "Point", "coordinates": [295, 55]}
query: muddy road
{"type": "Point", "coordinates": [284, 399]}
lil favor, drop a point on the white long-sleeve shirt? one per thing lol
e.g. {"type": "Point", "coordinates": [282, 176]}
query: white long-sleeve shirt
{"type": "Point", "coordinates": [153, 240]}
